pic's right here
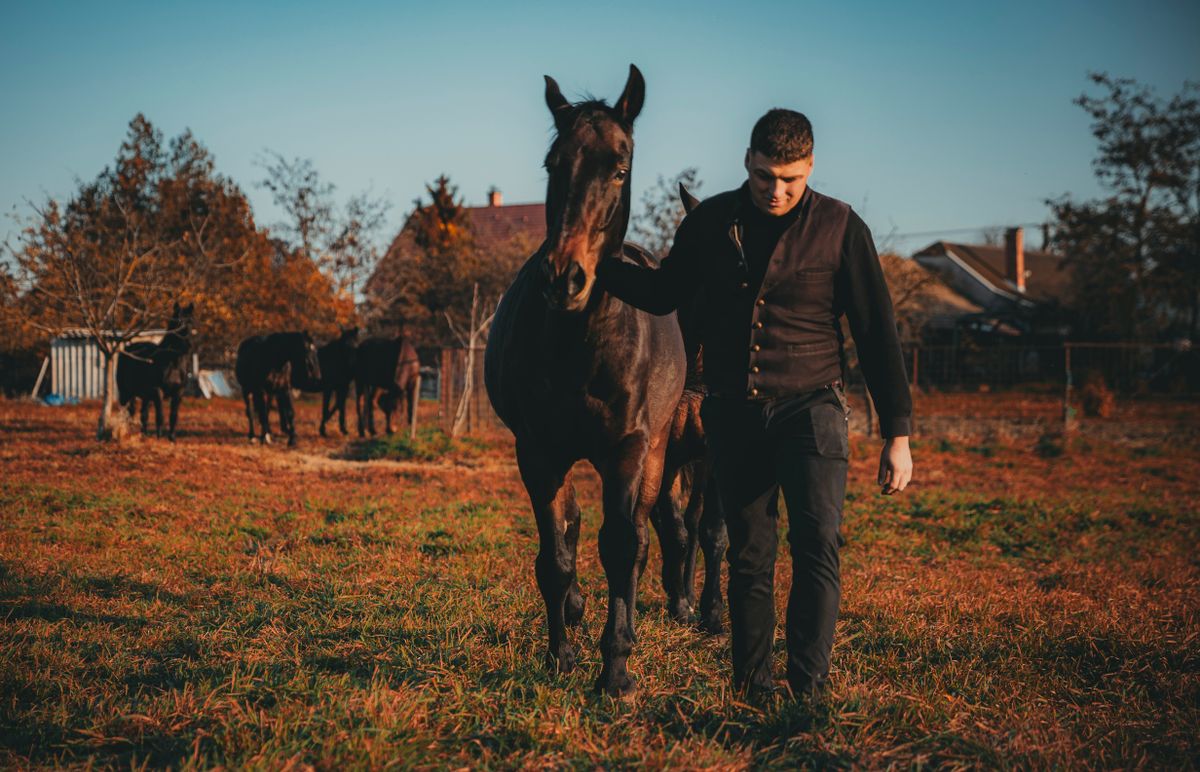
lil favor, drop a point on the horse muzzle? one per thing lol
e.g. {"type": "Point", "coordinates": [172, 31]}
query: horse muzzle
{"type": "Point", "coordinates": [566, 290]}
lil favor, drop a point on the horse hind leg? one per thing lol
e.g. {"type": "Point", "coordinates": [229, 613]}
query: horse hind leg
{"type": "Point", "coordinates": [262, 407]}
{"type": "Point", "coordinates": [158, 413]}
{"type": "Point", "coordinates": [145, 414]}
{"type": "Point", "coordinates": [668, 519]}
{"type": "Point", "coordinates": [176, 398]}
{"type": "Point", "coordinates": [714, 542]}
{"type": "Point", "coordinates": [249, 414]}
{"type": "Point", "coordinates": [557, 513]}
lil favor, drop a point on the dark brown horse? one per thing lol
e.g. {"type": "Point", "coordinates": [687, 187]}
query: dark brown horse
{"type": "Point", "coordinates": [268, 367]}
{"type": "Point", "coordinates": [578, 375]}
{"type": "Point", "coordinates": [386, 369]}
{"type": "Point", "coordinates": [150, 371]}
{"type": "Point", "coordinates": [688, 514]}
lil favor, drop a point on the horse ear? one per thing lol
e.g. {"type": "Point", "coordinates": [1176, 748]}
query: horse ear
{"type": "Point", "coordinates": [558, 104]}
{"type": "Point", "coordinates": [191, 308]}
{"type": "Point", "coordinates": [632, 98]}
{"type": "Point", "coordinates": [689, 201]}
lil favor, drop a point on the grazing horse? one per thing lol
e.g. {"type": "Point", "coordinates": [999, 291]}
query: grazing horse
{"type": "Point", "coordinates": [387, 368]}
{"type": "Point", "coordinates": [688, 513]}
{"type": "Point", "coordinates": [576, 374]}
{"type": "Point", "coordinates": [147, 371]}
{"type": "Point", "coordinates": [269, 366]}
{"type": "Point", "coordinates": [337, 373]}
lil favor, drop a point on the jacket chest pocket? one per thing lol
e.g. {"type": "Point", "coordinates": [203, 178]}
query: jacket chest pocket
{"type": "Point", "coordinates": [811, 291]}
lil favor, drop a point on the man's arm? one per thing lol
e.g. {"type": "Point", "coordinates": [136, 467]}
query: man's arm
{"type": "Point", "coordinates": [872, 320]}
{"type": "Point", "coordinates": [656, 290]}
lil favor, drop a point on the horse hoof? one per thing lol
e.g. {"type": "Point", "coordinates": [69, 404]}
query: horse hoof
{"type": "Point", "coordinates": [291, 442]}
{"type": "Point", "coordinates": [618, 686]}
{"type": "Point", "coordinates": [573, 613]}
{"type": "Point", "coordinates": [680, 611]}
{"type": "Point", "coordinates": [710, 621]}
{"type": "Point", "coordinates": [564, 662]}
{"type": "Point", "coordinates": [322, 431]}
{"type": "Point", "coordinates": [266, 439]}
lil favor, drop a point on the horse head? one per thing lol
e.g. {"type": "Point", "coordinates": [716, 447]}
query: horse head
{"type": "Point", "coordinates": [182, 323]}
{"type": "Point", "coordinates": [588, 188]}
{"type": "Point", "coordinates": [306, 367]}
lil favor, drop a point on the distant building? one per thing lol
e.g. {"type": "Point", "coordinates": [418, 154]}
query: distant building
{"type": "Point", "coordinates": [498, 224]}
{"type": "Point", "coordinates": [1013, 287]}
{"type": "Point", "coordinates": [77, 364]}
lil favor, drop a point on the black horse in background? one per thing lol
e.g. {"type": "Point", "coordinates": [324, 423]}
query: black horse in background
{"type": "Point", "coordinates": [269, 366]}
{"type": "Point", "coordinates": [688, 499]}
{"type": "Point", "coordinates": [337, 359]}
{"type": "Point", "coordinates": [577, 374]}
{"type": "Point", "coordinates": [386, 369]}
{"type": "Point", "coordinates": [150, 371]}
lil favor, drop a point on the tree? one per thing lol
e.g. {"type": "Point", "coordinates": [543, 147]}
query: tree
{"type": "Point", "coordinates": [1136, 253]}
{"type": "Point", "coordinates": [114, 257]}
{"type": "Point", "coordinates": [345, 244]}
{"type": "Point", "coordinates": [655, 226]}
{"type": "Point", "coordinates": [425, 282]}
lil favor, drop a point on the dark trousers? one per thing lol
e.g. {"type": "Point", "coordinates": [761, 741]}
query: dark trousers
{"type": "Point", "coordinates": [799, 444]}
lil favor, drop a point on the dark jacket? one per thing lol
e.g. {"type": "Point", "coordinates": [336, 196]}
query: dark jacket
{"type": "Point", "coordinates": [783, 336]}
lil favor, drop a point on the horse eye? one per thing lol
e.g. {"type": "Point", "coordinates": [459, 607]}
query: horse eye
{"type": "Point", "coordinates": [621, 175]}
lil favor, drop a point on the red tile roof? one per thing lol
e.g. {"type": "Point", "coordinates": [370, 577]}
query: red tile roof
{"type": "Point", "coordinates": [498, 225]}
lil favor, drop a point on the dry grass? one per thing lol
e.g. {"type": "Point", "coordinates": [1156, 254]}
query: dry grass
{"type": "Point", "coordinates": [215, 603]}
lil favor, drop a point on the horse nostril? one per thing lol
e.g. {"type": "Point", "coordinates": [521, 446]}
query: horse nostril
{"type": "Point", "coordinates": [576, 279]}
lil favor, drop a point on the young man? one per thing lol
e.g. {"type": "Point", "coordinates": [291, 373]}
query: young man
{"type": "Point", "coordinates": [778, 264]}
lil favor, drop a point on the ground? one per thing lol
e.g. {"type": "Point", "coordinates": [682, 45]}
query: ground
{"type": "Point", "coordinates": [211, 602]}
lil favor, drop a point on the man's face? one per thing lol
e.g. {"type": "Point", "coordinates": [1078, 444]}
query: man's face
{"type": "Point", "coordinates": [776, 187]}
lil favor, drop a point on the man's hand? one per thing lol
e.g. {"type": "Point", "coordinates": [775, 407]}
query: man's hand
{"type": "Point", "coordinates": [895, 465]}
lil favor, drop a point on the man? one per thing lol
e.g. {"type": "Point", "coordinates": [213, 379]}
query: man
{"type": "Point", "coordinates": [776, 265]}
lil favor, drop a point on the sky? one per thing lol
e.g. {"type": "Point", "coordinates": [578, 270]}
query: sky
{"type": "Point", "coordinates": [932, 119]}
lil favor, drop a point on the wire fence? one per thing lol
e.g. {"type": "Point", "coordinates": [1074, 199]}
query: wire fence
{"type": "Point", "coordinates": [962, 382]}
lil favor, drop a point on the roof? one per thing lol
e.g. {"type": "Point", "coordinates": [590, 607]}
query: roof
{"type": "Point", "coordinates": [497, 225]}
{"type": "Point", "coordinates": [1046, 277]}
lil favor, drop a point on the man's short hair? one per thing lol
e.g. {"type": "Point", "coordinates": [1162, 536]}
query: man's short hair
{"type": "Point", "coordinates": [783, 136]}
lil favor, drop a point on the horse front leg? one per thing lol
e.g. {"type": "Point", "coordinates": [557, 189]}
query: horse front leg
{"type": "Point", "coordinates": [557, 513]}
{"type": "Point", "coordinates": [249, 414]}
{"type": "Point", "coordinates": [342, 394]}
{"type": "Point", "coordinates": [262, 407]}
{"type": "Point", "coordinates": [630, 482]}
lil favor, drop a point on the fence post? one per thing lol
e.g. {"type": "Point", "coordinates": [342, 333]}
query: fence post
{"type": "Point", "coordinates": [445, 379]}
{"type": "Point", "coordinates": [1068, 411]}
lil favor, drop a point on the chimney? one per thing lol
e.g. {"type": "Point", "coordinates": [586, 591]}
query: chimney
{"type": "Point", "coordinates": [494, 197]}
{"type": "Point", "coordinates": [1014, 257]}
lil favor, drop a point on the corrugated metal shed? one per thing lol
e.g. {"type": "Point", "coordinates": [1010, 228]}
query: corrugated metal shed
{"type": "Point", "coordinates": [77, 365]}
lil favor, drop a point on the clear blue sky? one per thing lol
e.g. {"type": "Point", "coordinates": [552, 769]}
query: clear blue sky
{"type": "Point", "coordinates": [927, 116]}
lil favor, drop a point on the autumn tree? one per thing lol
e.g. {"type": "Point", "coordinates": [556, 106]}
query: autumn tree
{"type": "Point", "coordinates": [1136, 253]}
{"type": "Point", "coordinates": [655, 225]}
{"type": "Point", "coordinates": [113, 257]}
{"type": "Point", "coordinates": [425, 282]}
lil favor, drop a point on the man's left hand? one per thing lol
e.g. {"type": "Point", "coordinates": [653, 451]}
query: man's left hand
{"type": "Point", "coordinates": [895, 465]}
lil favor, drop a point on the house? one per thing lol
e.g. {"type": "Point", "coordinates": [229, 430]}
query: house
{"type": "Point", "coordinates": [77, 364]}
{"type": "Point", "coordinates": [1018, 291]}
{"type": "Point", "coordinates": [498, 225]}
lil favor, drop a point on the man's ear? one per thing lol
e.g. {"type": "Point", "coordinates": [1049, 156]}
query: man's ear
{"type": "Point", "coordinates": [746, 161]}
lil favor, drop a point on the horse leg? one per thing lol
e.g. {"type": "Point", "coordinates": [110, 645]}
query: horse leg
{"type": "Point", "coordinates": [714, 541]}
{"type": "Point", "coordinates": [287, 416]}
{"type": "Point", "coordinates": [360, 411]}
{"type": "Point", "coordinates": [388, 403]}
{"type": "Point", "coordinates": [158, 413]}
{"type": "Point", "coordinates": [630, 488]}
{"type": "Point", "coordinates": [176, 398]}
{"type": "Point", "coordinates": [342, 393]}
{"type": "Point", "coordinates": [326, 394]}
{"type": "Point", "coordinates": [264, 415]}
{"type": "Point", "coordinates": [668, 519]}
{"type": "Point", "coordinates": [412, 397]}
{"type": "Point", "coordinates": [249, 413]}
{"type": "Point", "coordinates": [557, 513]}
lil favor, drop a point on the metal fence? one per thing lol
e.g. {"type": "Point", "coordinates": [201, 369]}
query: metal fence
{"type": "Point", "coordinates": [1130, 370]}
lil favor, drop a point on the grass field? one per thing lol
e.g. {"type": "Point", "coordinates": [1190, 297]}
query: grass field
{"type": "Point", "coordinates": [212, 603]}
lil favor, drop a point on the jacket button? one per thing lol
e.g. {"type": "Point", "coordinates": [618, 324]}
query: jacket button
{"type": "Point", "coordinates": [754, 392]}
{"type": "Point", "coordinates": [745, 285]}
{"type": "Point", "coordinates": [756, 347]}
{"type": "Point", "coordinates": [758, 325]}
{"type": "Point", "coordinates": [754, 369]}
{"type": "Point", "coordinates": [761, 302]}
